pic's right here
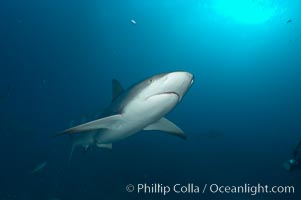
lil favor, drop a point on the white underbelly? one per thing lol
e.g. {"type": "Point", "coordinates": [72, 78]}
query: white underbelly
{"type": "Point", "coordinates": [137, 115]}
{"type": "Point", "coordinates": [120, 132]}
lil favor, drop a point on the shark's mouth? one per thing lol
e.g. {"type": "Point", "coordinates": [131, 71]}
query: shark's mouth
{"type": "Point", "coordinates": [174, 93]}
{"type": "Point", "coordinates": [179, 97]}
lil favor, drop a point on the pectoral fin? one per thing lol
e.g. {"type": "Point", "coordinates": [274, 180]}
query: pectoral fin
{"type": "Point", "coordinates": [106, 123]}
{"type": "Point", "coordinates": [166, 126]}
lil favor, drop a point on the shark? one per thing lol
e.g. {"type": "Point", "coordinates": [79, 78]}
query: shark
{"type": "Point", "coordinates": [141, 107]}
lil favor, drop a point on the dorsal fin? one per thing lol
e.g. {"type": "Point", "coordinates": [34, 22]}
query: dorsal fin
{"type": "Point", "coordinates": [117, 89]}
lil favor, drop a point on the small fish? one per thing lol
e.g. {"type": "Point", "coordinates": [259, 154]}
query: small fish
{"type": "Point", "coordinates": [38, 167]}
{"type": "Point", "coordinates": [289, 21]}
{"type": "Point", "coordinates": [133, 22]}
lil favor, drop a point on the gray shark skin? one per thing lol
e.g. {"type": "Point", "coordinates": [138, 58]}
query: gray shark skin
{"type": "Point", "coordinates": [140, 107]}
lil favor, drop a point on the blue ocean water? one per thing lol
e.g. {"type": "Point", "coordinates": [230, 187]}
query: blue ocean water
{"type": "Point", "coordinates": [242, 114]}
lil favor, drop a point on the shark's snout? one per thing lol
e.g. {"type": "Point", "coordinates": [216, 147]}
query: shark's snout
{"type": "Point", "coordinates": [178, 82]}
{"type": "Point", "coordinates": [181, 74]}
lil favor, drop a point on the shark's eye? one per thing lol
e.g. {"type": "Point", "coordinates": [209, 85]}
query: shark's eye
{"type": "Point", "coordinates": [150, 80]}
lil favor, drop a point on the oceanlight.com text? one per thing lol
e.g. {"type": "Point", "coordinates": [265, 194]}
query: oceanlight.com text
{"type": "Point", "coordinates": [191, 188]}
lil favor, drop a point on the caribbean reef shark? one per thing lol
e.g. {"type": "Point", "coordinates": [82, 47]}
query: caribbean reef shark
{"type": "Point", "coordinates": [140, 107]}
